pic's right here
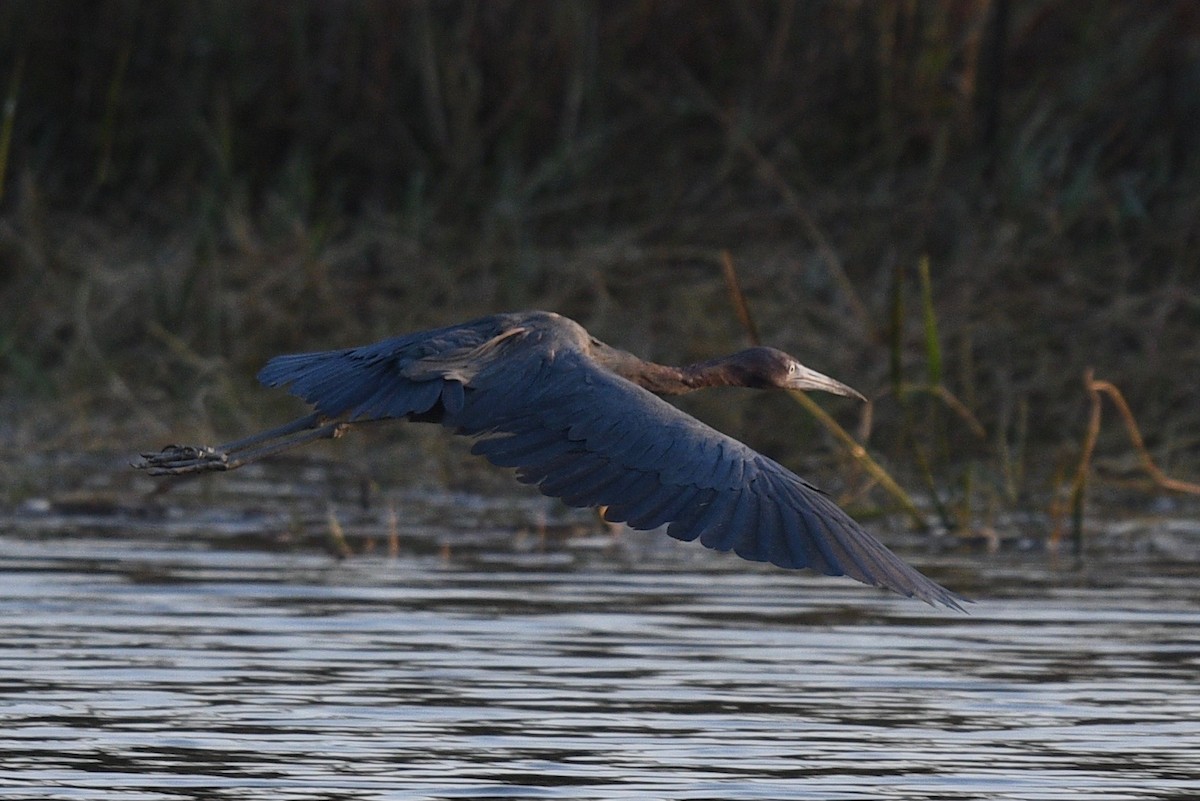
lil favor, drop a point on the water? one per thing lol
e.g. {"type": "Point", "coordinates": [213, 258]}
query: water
{"type": "Point", "coordinates": [148, 669]}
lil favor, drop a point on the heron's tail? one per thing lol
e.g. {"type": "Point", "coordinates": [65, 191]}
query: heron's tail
{"type": "Point", "coordinates": [356, 384]}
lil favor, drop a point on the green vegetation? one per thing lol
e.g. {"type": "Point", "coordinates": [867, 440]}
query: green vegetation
{"type": "Point", "coordinates": [958, 208]}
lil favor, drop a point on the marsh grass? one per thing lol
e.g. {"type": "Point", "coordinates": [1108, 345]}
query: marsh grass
{"type": "Point", "coordinates": [957, 208]}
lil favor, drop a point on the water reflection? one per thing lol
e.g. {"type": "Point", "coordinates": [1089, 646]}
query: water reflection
{"type": "Point", "coordinates": [170, 671]}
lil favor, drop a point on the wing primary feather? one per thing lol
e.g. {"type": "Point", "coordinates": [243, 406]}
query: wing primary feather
{"type": "Point", "coordinates": [563, 481]}
{"type": "Point", "coordinates": [642, 514]}
{"type": "Point", "coordinates": [849, 548]}
{"type": "Point", "coordinates": [746, 523]}
{"type": "Point", "coordinates": [637, 496]}
{"type": "Point", "coordinates": [879, 566]}
{"type": "Point", "coordinates": [479, 417]}
{"type": "Point", "coordinates": [632, 483]}
{"type": "Point", "coordinates": [724, 534]}
{"type": "Point", "coordinates": [634, 449]}
{"type": "Point", "coordinates": [754, 542]}
{"type": "Point", "coordinates": [596, 489]}
{"type": "Point", "coordinates": [555, 464]}
{"type": "Point", "coordinates": [518, 451]}
{"type": "Point", "coordinates": [705, 521]}
{"type": "Point", "coordinates": [726, 464]}
{"type": "Point", "coordinates": [815, 539]}
{"type": "Point", "coordinates": [673, 503]}
{"type": "Point", "coordinates": [802, 551]}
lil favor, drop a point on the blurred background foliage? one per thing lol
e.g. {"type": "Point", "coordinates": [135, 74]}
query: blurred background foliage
{"type": "Point", "coordinates": [189, 187]}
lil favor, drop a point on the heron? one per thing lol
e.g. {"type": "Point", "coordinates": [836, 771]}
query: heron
{"type": "Point", "coordinates": [587, 423]}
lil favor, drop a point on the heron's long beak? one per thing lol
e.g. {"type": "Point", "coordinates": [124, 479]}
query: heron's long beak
{"type": "Point", "coordinates": [808, 379]}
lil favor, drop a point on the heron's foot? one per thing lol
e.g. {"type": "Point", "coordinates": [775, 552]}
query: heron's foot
{"type": "Point", "coordinates": [177, 460]}
{"type": "Point", "coordinates": [181, 460]}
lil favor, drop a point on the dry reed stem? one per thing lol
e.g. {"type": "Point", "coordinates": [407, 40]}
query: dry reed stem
{"type": "Point", "coordinates": [9, 116]}
{"type": "Point", "coordinates": [393, 539]}
{"type": "Point", "coordinates": [337, 535]}
{"type": "Point", "coordinates": [734, 287]}
{"type": "Point", "coordinates": [949, 399]}
{"type": "Point", "coordinates": [770, 175]}
{"type": "Point", "coordinates": [1094, 388]}
{"type": "Point", "coordinates": [862, 457]}
{"type": "Point", "coordinates": [851, 445]}
{"type": "Point", "coordinates": [958, 407]}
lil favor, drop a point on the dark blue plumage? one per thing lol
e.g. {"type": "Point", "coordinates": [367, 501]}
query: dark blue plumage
{"type": "Point", "coordinates": [582, 421]}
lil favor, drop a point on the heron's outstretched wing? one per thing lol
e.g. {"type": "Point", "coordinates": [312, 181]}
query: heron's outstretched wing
{"type": "Point", "coordinates": [592, 438]}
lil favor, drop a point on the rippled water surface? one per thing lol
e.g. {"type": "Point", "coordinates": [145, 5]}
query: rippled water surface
{"type": "Point", "coordinates": [135, 669]}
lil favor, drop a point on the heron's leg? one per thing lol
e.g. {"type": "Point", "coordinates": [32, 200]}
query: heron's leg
{"type": "Point", "coordinates": [176, 460]}
{"type": "Point", "coordinates": [302, 424]}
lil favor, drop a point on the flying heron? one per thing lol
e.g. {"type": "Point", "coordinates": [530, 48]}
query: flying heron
{"type": "Point", "coordinates": [585, 423]}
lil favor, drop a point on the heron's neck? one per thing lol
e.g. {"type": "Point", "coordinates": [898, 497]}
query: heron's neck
{"type": "Point", "coordinates": [663, 379]}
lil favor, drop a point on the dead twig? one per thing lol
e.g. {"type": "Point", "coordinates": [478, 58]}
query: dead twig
{"type": "Point", "coordinates": [734, 287]}
{"type": "Point", "coordinates": [337, 535]}
{"type": "Point", "coordinates": [1095, 388]}
{"type": "Point", "coordinates": [852, 446]}
{"type": "Point", "coordinates": [769, 174]}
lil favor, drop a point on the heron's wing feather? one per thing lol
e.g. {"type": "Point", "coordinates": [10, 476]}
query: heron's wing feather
{"type": "Point", "coordinates": [592, 438]}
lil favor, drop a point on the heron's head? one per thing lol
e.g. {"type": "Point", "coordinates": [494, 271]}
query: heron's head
{"type": "Point", "coordinates": [765, 368]}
